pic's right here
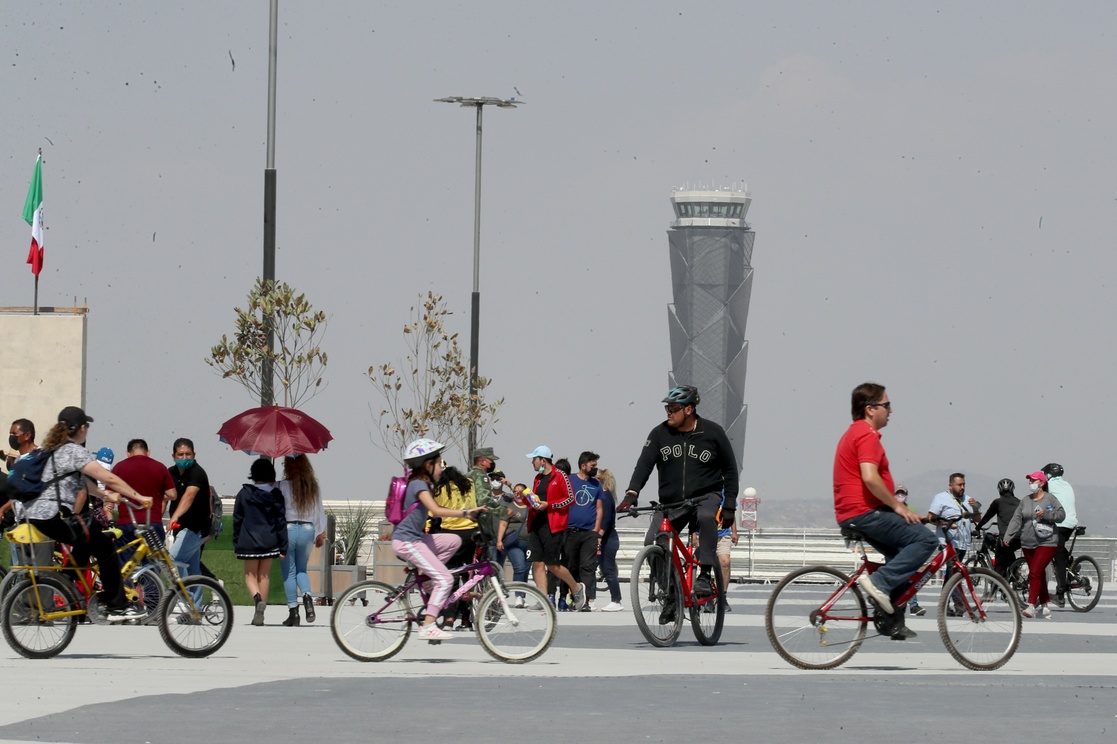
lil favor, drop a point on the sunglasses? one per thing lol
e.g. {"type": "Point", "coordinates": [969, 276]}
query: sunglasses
{"type": "Point", "coordinates": [887, 405]}
{"type": "Point", "coordinates": [673, 408]}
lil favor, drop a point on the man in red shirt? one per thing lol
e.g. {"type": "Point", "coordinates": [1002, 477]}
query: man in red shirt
{"type": "Point", "coordinates": [864, 500]}
{"type": "Point", "coordinates": [146, 475]}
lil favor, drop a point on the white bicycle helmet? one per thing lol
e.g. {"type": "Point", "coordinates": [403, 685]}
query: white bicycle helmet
{"type": "Point", "coordinates": [420, 451]}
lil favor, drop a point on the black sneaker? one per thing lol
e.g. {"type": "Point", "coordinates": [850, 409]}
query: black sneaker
{"type": "Point", "coordinates": [1060, 600]}
{"type": "Point", "coordinates": [703, 587]}
{"type": "Point", "coordinates": [667, 617]}
{"type": "Point", "coordinates": [917, 610]}
{"type": "Point", "coordinates": [123, 614]}
{"type": "Point", "coordinates": [903, 633]}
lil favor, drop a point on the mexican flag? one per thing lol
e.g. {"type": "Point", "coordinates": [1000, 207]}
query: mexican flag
{"type": "Point", "coordinates": [33, 214]}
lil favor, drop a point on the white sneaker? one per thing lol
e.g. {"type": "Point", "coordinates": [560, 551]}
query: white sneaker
{"type": "Point", "coordinates": [519, 603]}
{"type": "Point", "coordinates": [613, 607]}
{"type": "Point", "coordinates": [866, 583]}
{"type": "Point", "coordinates": [434, 633]}
{"type": "Point", "coordinates": [1046, 612]}
{"type": "Point", "coordinates": [1028, 611]}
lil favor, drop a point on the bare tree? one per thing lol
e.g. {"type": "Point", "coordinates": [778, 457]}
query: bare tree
{"type": "Point", "coordinates": [297, 359]}
{"type": "Point", "coordinates": [430, 397]}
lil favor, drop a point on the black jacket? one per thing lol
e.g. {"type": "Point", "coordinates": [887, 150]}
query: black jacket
{"type": "Point", "coordinates": [690, 464]}
{"type": "Point", "coordinates": [1003, 507]}
{"type": "Point", "coordinates": [259, 521]}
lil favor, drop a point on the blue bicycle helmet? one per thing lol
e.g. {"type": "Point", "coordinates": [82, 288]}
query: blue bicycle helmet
{"type": "Point", "coordinates": [684, 395]}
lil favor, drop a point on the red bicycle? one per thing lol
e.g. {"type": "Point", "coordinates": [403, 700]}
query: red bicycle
{"type": "Point", "coordinates": [662, 585]}
{"type": "Point", "coordinates": [817, 616]}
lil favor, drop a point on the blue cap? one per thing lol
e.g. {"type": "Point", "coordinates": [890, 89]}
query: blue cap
{"type": "Point", "coordinates": [542, 451]}
{"type": "Point", "coordinates": [105, 455]}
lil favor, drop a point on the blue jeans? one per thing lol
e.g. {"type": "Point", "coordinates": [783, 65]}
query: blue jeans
{"type": "Point", "coordinates": [905, 547]}
{"type": "Point", "coordinates": [187, 555]}
{"type": "Point", "coordinates": [300, 541]}
{"type": "Point", "coordinates": [609, 547]}
{"type": "Point", "coordinates": [515, 551]}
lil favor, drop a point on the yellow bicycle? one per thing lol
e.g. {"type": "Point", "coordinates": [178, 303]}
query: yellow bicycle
{"type": "Point", "coordinates": [42, 604]}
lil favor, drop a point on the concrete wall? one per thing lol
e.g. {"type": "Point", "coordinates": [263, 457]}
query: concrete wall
{"type": "Point", "coordinates": [43, 365]}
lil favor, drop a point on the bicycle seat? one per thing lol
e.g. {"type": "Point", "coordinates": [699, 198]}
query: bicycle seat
{"type": "Point", "coordinates": [26, 533]}
{"type": "Point", "coordinates": [852, 533]}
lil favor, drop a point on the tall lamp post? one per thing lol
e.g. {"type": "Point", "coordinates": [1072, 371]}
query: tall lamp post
{"type": "Point", "coordinates": [267, 394]}
{"type": "Point", "coordinates": [475, 302]}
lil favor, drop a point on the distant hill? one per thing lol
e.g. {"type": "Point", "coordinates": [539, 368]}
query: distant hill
{"type": "Point", "coordinates": [1096, 505]}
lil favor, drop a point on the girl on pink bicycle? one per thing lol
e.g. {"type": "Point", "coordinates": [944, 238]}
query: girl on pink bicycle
{"type": "Point", "coordinates": [428, 553]}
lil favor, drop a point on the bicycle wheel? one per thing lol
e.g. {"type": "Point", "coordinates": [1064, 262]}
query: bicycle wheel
{"type": "Point", "coordinates": [11, 578]}
{"type": "Point", "coordinates": [196, 623]}
{"type": "Point", "coordinates": [1017, 577]}
{"type": "Point", "coordinates": [1084, 584]}
{"type": "Point", "coordinates": [150, 584]}
{"type": "Point", "coordinates": [370, 622]}
{"type": "Point", "coordinates": [522, 633]}
{"type": "Point", "coordinates": [657, 596]}
{"type": "Point", "coordinates": [806, 635]}
{"type": "Point", "coordinates": [987, 633]}
{"type": "Point", "coordinates": [707, 614]}
{"type": "Point", "coordinates": [21, 616]}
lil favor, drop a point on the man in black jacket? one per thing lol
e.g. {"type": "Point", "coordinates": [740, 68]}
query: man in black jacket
{"type": "Point", "coordinates": [694, 458]}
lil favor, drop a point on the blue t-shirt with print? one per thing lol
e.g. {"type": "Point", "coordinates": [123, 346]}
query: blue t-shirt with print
{"type": "Point", "coordinates": [583, 512]}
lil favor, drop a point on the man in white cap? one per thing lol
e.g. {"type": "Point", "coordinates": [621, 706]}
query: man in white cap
{"type": "Point", "coordinates": [545, 535]}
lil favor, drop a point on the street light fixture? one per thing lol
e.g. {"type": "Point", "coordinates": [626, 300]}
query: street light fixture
{"type": "Point", "coordinates": [475, 303]}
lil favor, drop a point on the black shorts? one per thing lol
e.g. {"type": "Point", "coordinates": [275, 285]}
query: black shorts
{"type": "Point", "coordinates": [544, 546]}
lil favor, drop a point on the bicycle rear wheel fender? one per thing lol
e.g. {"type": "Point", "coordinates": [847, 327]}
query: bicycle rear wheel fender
{"type": "Point", "coordinates": [653, 602]}
{"type": "Point", "coordinates": [520, 634]}
{"type": "Point", "coordinates": [1084, 584]}
{"type": "Point", "coordinates": [801, 632]}
{"type": "Point", "coordinates": [987, 634]}
{"type": "Point", "coordinates": [707, 614]}
{"type": "Point", "coordinates": [196, 620]}
{"type": "Point", "coordinates": [369, 623]}
{"type": "Point", "coordinates": [21, 617]}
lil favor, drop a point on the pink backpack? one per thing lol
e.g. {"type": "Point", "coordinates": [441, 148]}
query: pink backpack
{"type": "Point", "coordinates": [393, 506]}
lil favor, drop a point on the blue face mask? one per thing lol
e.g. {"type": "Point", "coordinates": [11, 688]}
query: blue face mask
{"type": "Point", "coordinates": [184, 463]}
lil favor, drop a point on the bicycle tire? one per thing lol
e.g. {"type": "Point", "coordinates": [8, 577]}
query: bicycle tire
{"type": "Point", "coordinates": [11, 578]}
{"type": "Point", "coordinates": [985, 639]}
{"type": "Point", "coordinates": [1084, 589]}
{"type": "Point", "coordinates": [23, 628]}
{"type": "Point", "coordinates": [800, 634]}
{"type": "Point", "coordinates": [652, 603]}
{"type": "Point", "coordinates": [151, 585]}
{"type": "Point", "coordinates": [524, 634]}
{"type": "Point", "coordinates": [1017, 578]}
{"type": "Point", "coordinates": [199, 627]}
{"type": "Point", "coordinates": [707, 614]}
{"type": "Point", "coordinates": [370, 623]}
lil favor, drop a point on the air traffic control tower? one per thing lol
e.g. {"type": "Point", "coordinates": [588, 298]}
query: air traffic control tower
{"type": "Point", "coordinates": [711, 279]}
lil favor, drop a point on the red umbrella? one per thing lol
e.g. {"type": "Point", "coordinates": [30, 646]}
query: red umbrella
{"type": "Point", "coordinates": [274, 431]}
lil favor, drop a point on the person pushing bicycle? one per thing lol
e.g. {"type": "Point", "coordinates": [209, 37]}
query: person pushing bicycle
{"type": "Point", "coordinates": [694, 459]}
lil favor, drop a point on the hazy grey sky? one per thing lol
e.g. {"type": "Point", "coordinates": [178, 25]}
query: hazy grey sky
{"type": "Point", "coordinates": [900, 156]}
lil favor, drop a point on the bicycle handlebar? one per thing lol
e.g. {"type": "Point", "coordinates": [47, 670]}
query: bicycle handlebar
{"type": "Point", "coordinates": [635, 511]}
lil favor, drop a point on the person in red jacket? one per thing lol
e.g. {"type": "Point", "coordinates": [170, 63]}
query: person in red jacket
{"type": "Point", "coordinates": [545, 536]}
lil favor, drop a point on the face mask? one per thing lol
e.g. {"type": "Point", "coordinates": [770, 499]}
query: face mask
{"type": "Point", "coordinates": [540, 470]}
{"type": "Point", "coordinates": [1034, 486]}
{"type": "Point", "coordinates": [491, 468]}
{"type": "Point", "coordinates": [13, 441]}
{"type": "Point", "coordinates": [184, 463]}
{"type": "Point", "coordinates": [592, 473]}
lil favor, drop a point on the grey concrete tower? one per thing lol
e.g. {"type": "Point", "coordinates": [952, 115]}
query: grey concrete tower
{"type": "Point", "coordinates": [711, 279]}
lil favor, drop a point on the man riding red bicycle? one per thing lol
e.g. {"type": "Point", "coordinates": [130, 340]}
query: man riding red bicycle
{"type": "Point", "coordinates": [694, 459]}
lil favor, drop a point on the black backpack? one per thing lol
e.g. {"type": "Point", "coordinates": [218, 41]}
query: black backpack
{"type": "Point", "coordinates": [25, 481]}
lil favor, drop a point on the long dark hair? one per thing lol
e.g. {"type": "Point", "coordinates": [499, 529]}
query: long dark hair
{"type": "Point", "coordinates": [450, 474]}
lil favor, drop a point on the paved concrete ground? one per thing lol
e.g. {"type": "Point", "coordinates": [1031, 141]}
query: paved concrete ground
{"type": "Point", "coordinates": [598, 680]}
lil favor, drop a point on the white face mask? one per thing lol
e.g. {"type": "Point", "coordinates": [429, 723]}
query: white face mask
{"type": "Point", "coordinates": [1034, 486]}
{"type": "Point", "coordinates": [540, 468]}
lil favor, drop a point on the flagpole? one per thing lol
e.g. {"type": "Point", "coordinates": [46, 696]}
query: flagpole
{"type": "Point", "coordinates": [35, 306]}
